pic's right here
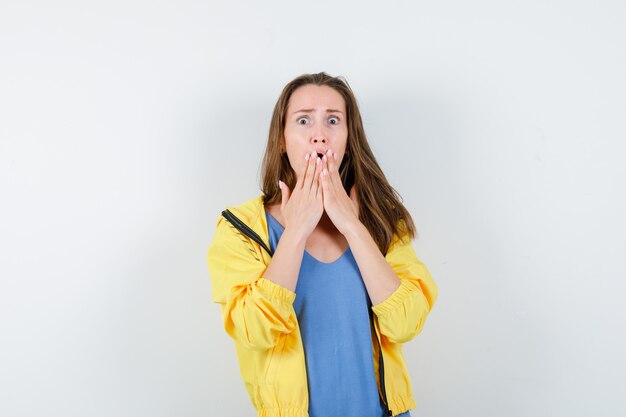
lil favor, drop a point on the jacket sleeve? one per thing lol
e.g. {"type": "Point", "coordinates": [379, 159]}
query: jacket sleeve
{"type": "Point", "coordinates": [255, 311]}
{"type": "Point", "coordinates": [402, 315]}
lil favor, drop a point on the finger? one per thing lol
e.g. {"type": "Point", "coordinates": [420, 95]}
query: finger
{"type": "Point", "coordinates": [300, 179]}
{"type": "Point", "coordinates": [322, 174]}
{"type": "Point", "coordinates": [330, 166]}
{"type": "Point", "coordinates": [310, 169]}
{"type": "Point", "coordinates": [324, 166]}
{"type": "Point", "coordinates": [331, 159]}
{"type": "Point", "coordinates": [327, 181]}
{"type": "Point", "coordinates": [318, 176]}
{"type": "Point", "coordinates": [314, 170]}
{"type": "Point", "coordinates": [354, 197]}
{"type": "Point", "coordinates": [303, 170]}
{"type": "Point", "coordinates": [285, 193]}
{"type": "Point", "coordinates": [325, 185]}
{"type": "Point", "coordinates": [324, 180]}
{"type": "Point", "coordinates": [320, 184]}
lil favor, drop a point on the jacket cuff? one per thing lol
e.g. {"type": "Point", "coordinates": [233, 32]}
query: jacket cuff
{"type": "Point", "coordinates": [394, 301]}
{"type": "Point", "coordinates": [276, 291]}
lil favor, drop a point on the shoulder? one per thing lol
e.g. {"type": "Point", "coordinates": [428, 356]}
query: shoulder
{"type": "Point", "coordinates": [247, 212]}
{"type": "Point", "coordinates": [401, 239]}
{"type": "Point", "coordinates": [227, 241]}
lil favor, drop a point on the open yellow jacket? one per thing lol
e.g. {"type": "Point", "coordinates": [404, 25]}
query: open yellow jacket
{"type": "Point", "coordinates": [258, 314]}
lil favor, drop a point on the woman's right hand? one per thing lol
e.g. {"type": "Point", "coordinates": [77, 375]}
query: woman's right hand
{"type": "Point", "coordinates": [303, 206]}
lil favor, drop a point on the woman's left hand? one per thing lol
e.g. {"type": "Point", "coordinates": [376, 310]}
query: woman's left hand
{"type": "Point", "coordinates": [343, 210]}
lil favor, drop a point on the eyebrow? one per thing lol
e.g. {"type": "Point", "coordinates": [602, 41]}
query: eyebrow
{"type": "Point", "coordinates": [310, 110]}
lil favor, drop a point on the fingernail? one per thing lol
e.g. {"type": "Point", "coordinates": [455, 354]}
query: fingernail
{"type": "Point", "coordinates": [325, 158]}
{"type": "Point", "coordinates": [318, 161]}
{"type": "Point", "coordinates": [307, 157]}
{"type": "Point", "coordinates": [325, 171]}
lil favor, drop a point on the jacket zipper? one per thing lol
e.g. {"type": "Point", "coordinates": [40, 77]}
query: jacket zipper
{"type": "Point", "coordinates": [381, 369]}
{"type": "Point", "coordinates": [245, 230]}
{"type": "Point", "coordinates": [241, 226]}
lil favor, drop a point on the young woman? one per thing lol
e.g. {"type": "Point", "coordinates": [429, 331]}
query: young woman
{"type": "Point", "coordinates": [317, 278]}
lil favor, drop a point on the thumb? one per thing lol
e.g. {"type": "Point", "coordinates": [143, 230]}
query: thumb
{"type": "Point", "coordinates": [354, 197]}
{"type": "Point", "coordinates": [353, 193]}
{"type": "Point", "coordinates": [286, 193]}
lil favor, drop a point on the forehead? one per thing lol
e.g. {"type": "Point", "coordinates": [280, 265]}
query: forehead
{"type": "Point", "coordinates": [312, 96]}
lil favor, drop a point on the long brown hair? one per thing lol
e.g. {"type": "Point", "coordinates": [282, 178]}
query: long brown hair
{"type": "Point", "coordinates": [380, 208]}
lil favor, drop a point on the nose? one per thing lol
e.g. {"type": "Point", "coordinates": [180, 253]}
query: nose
{"type": "Point", "coordinates": [318, 136]}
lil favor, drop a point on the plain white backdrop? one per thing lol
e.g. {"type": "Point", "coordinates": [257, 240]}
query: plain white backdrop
{"type": "Point", "coordinates": [126, 127]}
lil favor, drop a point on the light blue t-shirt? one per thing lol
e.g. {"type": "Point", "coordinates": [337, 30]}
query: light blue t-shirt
{"type": "Point", "coordinates": [332, 306]}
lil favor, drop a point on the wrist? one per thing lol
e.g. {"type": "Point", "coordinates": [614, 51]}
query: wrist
{"type": "Point", "coordinates": [294, 237]}
{"type": "Point", "coordinates": [354, 229]}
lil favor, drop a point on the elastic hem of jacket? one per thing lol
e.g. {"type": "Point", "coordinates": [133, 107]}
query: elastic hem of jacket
{"type": "Point", "coordinates": [399, 404]}
{"type": "Point", "coordinates": [276, 291]}
{"type": "Point", "coordinates": [395, 300]}
{"type": "Point", "coordinates": [282, 412]}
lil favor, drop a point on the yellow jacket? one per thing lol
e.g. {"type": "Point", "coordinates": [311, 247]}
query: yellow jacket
{"type": "Point", "coordinates": [258, 314]}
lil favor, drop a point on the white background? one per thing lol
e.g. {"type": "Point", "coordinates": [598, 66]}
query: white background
{"type": "Point", "coordinates": [127, 126]}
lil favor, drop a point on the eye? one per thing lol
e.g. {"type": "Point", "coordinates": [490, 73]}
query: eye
{"type": "Point", "coordinates": [301, 118]}
{"type": "Point", "coordinates": [334, 118]}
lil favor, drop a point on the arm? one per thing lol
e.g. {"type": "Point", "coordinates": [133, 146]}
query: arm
{"type": "Point", "coordinates": [255, 309]}
{"type": "Point", "coordinates": [399, 284]}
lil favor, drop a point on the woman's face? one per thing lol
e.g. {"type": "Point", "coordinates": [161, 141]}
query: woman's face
{"type": "Point", "coordinates": [315, 121]}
